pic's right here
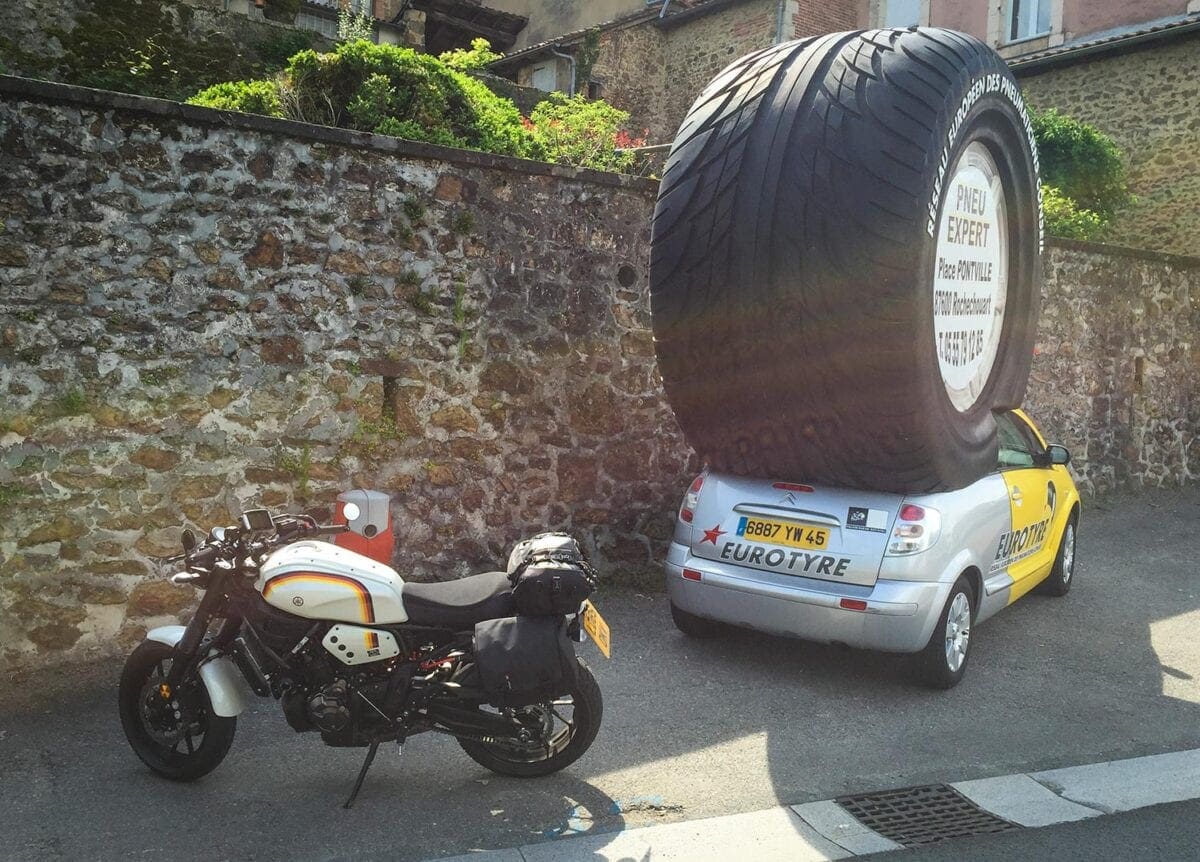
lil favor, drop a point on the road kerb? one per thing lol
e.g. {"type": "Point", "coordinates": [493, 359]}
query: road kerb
{"type": "Point", "coordinates": [1121, 785]}
{"type": "Point", "coordinates": [1021, 800]}
{"type": "Point", "coordinates": [842, 828]}
{"type": "Point", "coordinates": [821, 831]}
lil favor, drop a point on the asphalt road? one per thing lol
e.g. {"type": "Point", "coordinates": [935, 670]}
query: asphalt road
{"type": "Point", "coordinates": [691, 729]}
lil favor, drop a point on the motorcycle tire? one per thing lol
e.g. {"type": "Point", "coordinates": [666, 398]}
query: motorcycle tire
{"type": "Point", "coordinates": [587, 712]}
{"type": "Point", "coordinates": [186, 759]}
{"type": "Point", "coordinates": [818, 315]}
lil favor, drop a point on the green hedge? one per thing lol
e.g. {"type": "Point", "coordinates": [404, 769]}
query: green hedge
{"type": "Point", "coordinates": [396, 91]}
{"type": "Point", "coordinates": [249, 97]}
{"type": "Point", "coordinates": [1083, 175]}
{"type": "Point", "coordinates": [1067, 219]}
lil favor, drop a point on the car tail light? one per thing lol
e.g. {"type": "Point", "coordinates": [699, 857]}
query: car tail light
{"type": "Point", "coordinates": [691, 574]}
{"type": "Point", "coordinates": [691, 499]}
{"type": "Point", "coordinates": [853, 604]}
{"type": "Point", "coordinates": [791, 486]}
{"type": "Point", "coordinates": [917, 529]}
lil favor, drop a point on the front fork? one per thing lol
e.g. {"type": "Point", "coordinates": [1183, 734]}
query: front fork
{"type": "Point", "coordinates": [196, 656]}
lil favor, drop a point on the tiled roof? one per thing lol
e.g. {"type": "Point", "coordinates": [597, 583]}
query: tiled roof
{"type": "Point", "coordinates": [650, 13]}
{"type": "Point", "coordinates": [1109, 40]}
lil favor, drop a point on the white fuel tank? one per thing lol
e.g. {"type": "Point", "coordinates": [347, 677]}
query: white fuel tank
{"type": "Point", "coordinates": [320, 581]}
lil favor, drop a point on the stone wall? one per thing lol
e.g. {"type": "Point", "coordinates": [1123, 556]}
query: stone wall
{"type": "Point", "coordinates": [655, 69]}
{"type": "Point", "coordinates": [1117, 375]}
{"type": "Point", "coordinates": [631, 67]}
{"type": "Point", "coordinates": [198, 316]}
{"type": "Point", "coordinates": [30, 29]}
{"type": "Point", "coordinates": [697, 49]}
{"type": "Point", "coordinates": [1148, 100]}
{"type": "Point", "coordinates": [200, 312]}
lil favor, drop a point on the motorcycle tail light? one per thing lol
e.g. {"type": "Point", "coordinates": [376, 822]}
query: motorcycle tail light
{"type": "Point", "coordinates": [917, 529]}
{"type": "Point", "coordinates": [691, 500]}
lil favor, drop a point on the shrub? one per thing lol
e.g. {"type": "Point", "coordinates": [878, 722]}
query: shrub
{"type": "Point", "coordinates": [1081, 162]}
{"type": "Point", "coordinates": [1066, 219]}
{"type": "Point", "coordinates": [581, 133]}
{"type": "Point", "coordinates": [249, 97]}
{"type": "Point", "coordinates": [478, 56]}
{"type": "Point", "coordinates": [396, 91]}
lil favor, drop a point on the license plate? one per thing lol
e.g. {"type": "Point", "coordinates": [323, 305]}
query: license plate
{"type": "Point", "coordinates": [597, 629]}
{"type": "Point", "coordinates": [780, 533]}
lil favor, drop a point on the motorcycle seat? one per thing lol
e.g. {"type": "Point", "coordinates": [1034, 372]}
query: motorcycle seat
{"type": "Point", "coordinates": [459, 604]}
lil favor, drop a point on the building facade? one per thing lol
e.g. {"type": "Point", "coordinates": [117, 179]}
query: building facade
{"type": "Point", "coordinates": [1130, 69]}
{"type": "Point", "coordinates": [654, 60]}
{"type": "Point", "coordinates": [1019, 27]}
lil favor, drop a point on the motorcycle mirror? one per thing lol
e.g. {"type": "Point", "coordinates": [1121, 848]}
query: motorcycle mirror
{"type": "Point", "coordinates": [189, 541]}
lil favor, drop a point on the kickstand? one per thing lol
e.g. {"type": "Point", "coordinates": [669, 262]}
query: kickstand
{"type": "Point", "coordinates": [362, 773]}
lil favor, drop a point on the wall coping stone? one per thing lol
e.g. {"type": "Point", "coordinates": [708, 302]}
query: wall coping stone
{"type": "Point", "coordinates": [51, 91]}
{"type": "Point", "coordinates": [1179, 260]}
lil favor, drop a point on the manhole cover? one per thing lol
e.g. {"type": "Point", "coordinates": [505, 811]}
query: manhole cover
{"type": "Point", "coordinates": [922, 815]}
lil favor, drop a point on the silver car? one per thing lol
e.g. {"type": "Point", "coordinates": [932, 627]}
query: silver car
{"type": "Point", "coordinates": [877, 570]}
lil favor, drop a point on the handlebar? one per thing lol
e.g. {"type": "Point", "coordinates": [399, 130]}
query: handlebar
{"type": "Point", "coordinates": [203, 557]}
{"type": "Point", "coordinates": [289, 528]}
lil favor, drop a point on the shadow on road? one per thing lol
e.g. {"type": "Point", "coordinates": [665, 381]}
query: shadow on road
{"type": "Point", "coordinates": [692, 728]}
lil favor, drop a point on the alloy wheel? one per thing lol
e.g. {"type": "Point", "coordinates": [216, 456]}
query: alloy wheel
{"type": "Point", "coordinates": [958, 631]}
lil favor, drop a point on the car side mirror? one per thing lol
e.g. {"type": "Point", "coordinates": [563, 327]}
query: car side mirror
{"type": "Point", "coordinates": [1058, 454]}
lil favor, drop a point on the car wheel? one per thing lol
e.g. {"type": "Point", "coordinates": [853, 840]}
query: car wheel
{"type": "Point", "coordinates": [944, 660]}
{"type": "Point", "coordinates": [1063, 573]}
{"type": "Point", "coordinates": [816, 311]}
{"type": "Point", "coordinates": [694, 626]}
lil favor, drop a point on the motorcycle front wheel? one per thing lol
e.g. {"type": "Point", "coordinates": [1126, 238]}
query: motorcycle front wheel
{"type": "Point", "coordinates": [175, 733]}
{"type": "Point", "coordinates": [566, 729]}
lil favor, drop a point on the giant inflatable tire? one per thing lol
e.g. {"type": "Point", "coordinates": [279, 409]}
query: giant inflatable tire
{"type": "Point", "coordinates": [845, 261]}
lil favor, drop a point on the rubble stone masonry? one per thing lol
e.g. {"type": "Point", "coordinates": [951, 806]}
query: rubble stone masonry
{"type": "Point", "coordinates": [201, 312]}
{"type": "Point", "coordinates": [1149, 102]}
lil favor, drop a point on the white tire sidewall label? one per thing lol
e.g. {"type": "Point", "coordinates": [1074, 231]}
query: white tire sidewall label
{"type": "Point", "coordinates": [970, 275]}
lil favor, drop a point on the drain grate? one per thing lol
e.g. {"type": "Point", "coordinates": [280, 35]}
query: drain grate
{"type": "Point", "coordinates": [917, 816]}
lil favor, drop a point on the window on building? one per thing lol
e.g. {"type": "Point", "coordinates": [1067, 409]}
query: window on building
{"type": "Point", "coordinates": [317, 23]}
{"type": "Point", "coordinates": [595, 90]}
{"type": "Point", "coordinates": [901, 13]}
{"type": "Point", "coordinates": [1027, 19]}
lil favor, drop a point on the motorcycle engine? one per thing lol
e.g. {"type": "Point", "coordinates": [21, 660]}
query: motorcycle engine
{"type": "Point", "coordinates": [329, 709]}
{"type": "Point", "coordinates": [341, 708]}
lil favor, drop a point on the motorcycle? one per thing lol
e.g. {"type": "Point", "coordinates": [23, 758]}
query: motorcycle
{"type": "Point", "coordinates": [356, 654]}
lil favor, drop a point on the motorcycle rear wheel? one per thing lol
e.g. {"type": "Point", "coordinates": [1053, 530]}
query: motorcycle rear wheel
{"type": "Point", "coordinates": [561, 746]}
{"type": "Point", "coordinates": [179, 738]}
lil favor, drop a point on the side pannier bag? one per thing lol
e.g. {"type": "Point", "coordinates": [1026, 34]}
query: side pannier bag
{"type": "Point", "coordinates": [524, 660]}
{"type": "Point", "coordinates": [549, 575]}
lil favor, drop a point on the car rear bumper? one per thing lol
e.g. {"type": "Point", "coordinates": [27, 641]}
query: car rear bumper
{"type": "Point", "coordinates": [899, 617]}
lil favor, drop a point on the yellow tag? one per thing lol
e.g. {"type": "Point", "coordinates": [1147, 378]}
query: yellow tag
{"type": "Point", "coordinates": [780, 533]}
{"type": "Point", "coordinates": [597, 629]}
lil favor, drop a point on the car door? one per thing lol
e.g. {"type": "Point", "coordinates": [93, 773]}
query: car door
{"type": "Point", "coordinates": [1026, 551]}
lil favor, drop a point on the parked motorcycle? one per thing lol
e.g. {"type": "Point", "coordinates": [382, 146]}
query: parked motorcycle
{"type": "Point", "coordinates": [361, 657]}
